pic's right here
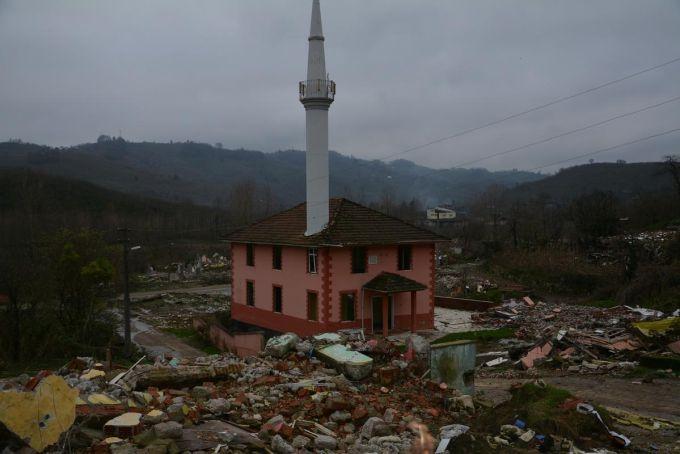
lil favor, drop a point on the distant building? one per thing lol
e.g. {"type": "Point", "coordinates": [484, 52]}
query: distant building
{"type": "Point", "coordinates": [441, 213]}
{"type": "Point", "coordinates": [329, 264]}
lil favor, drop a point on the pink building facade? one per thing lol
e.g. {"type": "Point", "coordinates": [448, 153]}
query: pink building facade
{"type": "Point", "coordinates": [318, 288]}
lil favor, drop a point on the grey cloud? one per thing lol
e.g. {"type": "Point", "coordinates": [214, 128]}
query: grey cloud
{"type": "Point", "coordinates": [407, 72]}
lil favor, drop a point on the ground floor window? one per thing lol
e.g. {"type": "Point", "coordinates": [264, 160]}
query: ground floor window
{"type": "Point", "coordinates": [313, 306]}
{"type": "Point", "coordinates": [250, 293]}
{"type": "Point", "coordinates": [348, 306]}
{"type": "Point", "coordinates": [278, 298]}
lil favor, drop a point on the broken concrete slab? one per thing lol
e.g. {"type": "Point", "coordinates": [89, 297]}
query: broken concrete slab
{"type": "Point", "coordinates": [160, 376]}
{"type": "Point", "coordinates": [354, 365]}
{"type": "Point", "coordinates": [280, 346]}
{"type": "Point", "coordinates": [170, 429]}
{"type": "Point", "coordinates": [125, 426]}
{"type": "Point", "coordinates": [329, 338]}
{"type": "Point", "coordinates": [39, 417]}
{"type": "Point", "coordinates": [93, 374]}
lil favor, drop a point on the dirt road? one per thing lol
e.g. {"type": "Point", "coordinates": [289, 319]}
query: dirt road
{"type": "Point", "coordinates": [222, 289]}
{"type": "Point", "coordinates": [660, 398]}
{"type": "Point", "coordinates": [159, 343]}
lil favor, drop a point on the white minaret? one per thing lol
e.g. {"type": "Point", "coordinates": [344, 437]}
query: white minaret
{"type": "Point", "coordinates": [317, 94]}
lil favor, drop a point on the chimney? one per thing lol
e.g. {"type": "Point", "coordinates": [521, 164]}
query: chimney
{"type": "Point", "coordinates": [317, 94]}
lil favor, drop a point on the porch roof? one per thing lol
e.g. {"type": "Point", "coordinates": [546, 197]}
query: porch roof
{"type": "Point", "coordinates": [393, 283]}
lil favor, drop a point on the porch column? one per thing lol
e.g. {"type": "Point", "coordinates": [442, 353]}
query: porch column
{"type": "Point", "coordinates": [385, 315]}
{"type": "Point", "coordinates": [413, 312]}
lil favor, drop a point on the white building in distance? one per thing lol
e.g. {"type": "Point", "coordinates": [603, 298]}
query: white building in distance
{"type": "Point", "coordinates": [441, 214]}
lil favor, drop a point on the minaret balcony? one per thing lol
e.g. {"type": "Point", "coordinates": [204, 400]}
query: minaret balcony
{"type": "Point", "coordinates": [317, 89]}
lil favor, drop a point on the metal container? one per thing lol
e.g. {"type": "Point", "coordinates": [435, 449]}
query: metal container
{"type": "Point", "coordinates": [453, 363]}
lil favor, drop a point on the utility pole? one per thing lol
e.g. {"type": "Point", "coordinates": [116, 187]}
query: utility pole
{"type": "Point", "coordinates": [125, 240]}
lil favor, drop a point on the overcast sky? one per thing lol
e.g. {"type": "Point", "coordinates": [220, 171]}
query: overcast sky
{"type": "Point", "coordinates": [407, 72]}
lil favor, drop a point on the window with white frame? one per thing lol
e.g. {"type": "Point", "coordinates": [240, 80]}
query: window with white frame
{"type": "Point", "coordinates": [312, 257]}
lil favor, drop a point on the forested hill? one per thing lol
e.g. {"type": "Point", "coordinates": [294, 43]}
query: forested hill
{"type": "Point", "coordinates": [33, 204]}
{"type": "Point", "coordinates": [625, 181]}
{"type": "Point", "coordinates": [209, 175]}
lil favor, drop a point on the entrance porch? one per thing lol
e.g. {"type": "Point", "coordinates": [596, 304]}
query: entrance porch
{"type": "Point", "coordinates": [384, 287]}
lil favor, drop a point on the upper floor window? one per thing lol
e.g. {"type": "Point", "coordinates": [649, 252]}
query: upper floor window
{"type": "Point", "coordinates": [312, 255]}
{"type": "Point", "coordinates": [276, 257]}
{"type": "Point", "coordinates": [278, 299]}
{"type": "Point", "coordinates": [250, 255]}
{"type": "Point", "coordinates": [358, 259]}
{"type": "Point", "coordinates": [250, 293]}
{"type": "Point", "coordinates": [405, 255]}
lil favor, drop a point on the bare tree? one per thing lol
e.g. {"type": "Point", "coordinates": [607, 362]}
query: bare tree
{"type": "Point", "coordinates": [672, 165]}
{"type": "Point", "coordinates": [243, 202]}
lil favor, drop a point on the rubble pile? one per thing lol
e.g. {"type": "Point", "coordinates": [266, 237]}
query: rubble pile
{"type": "Point", "coordinates": [580, 339]}
{"type": "Point", "coordinates": [177, 310]}
{"type": "Point", "coordinates": [541, 418]}
{"type": "Point", "coordinates": [651, 243]}
{"type": "Point", "coordinates": [288, 400]}
{"type": "Point", "coordinates": [203, 268]}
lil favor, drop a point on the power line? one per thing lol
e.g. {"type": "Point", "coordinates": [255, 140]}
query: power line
{"type": "Point", "coordinates": [591, 153]}
{"type": "Point", "coordinates": [548, 139]}
{"type": "Point", "coordinates": [602, 150]}
{"type": "Point", "coordinates": [583, 128]}
{"type": "Point", "coordinates": [533, 109]}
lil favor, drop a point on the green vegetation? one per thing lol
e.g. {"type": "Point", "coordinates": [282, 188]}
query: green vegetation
{"type": "Point", "coordinates": [602, 304]}
{"type": "Point", "coordinates": [554, 271]}
{"type": "Point", "coordinates": [622, 180]}
{"type": "Point", "coordinates": [479, 336]}
{"type": "Point", "coordinates": [53, 203]}
{"type": "Point", "coordinates": [208, 176]}
{"type": "Point", "coordinates": [656, 362]}
{"type": "Point", "coordinates": [56, 292]}
{"type": "Point", "coordinates": [543, 409]}
{"type": "Point", "coordinates": [540, 402]}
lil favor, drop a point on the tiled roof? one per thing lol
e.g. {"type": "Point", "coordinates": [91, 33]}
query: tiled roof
{"type": "Point", "coordinates": [349, 224]}
{"type": "Point", "coordinates": [393, 283]}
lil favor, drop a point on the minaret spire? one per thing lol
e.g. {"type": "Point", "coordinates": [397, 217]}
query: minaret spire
{"type": "Point", "coordinates": [316, 63]}
{"type": "Point", "coordinates": [317, 94]}
{"type": "Point", "coordinates": [316, 29]}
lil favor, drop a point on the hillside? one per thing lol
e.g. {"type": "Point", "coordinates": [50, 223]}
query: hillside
{"type": "Point", "coordinates": [207, 175]}
{"type": "Point", "coordinates": [34, 203]}
{"type": "Point", "coordinates": [625, 181]}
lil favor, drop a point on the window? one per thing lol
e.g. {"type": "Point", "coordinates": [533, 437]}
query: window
{"type": "Point", "coordinates": [250, 293]}
{"type": "Point", "coordinates": [312, 254]}
{"type": "Point", "coordinates": [404, 257]}
{"type": "Point", "coordinates": [278, 299]}
{"type": "Point", "coordinates": [276, 257]}
{"type": "Point", "coordinates": [347, 306]}
{"type": "Point", "coordinates": [313, 306]}
{"type": "Point", "coordinates": [358, 259]}
{"type": "Point", "coordinates": [250, 255]}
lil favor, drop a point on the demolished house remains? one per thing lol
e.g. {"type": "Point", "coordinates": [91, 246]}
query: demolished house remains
{"type": "Point", "coordinates": [340, 392]}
